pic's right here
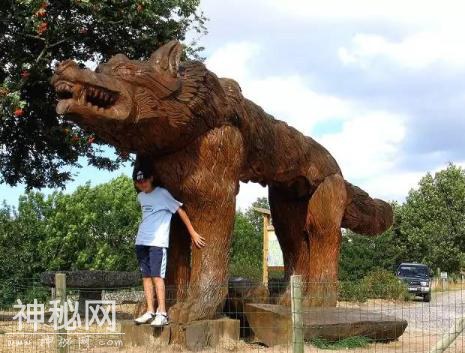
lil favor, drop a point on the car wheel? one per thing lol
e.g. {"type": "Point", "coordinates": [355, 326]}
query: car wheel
{"type": "Point", "coordinates": [427, 297]}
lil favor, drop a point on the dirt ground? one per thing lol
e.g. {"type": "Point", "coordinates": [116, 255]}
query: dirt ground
{"type": "Point", "coordinates": [414, 341]}
{"type": "Point", "coordinates": [418, 337]}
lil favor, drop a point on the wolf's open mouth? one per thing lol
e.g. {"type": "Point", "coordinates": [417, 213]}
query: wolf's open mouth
{"type": "Point", "coordinates": [95, 97]}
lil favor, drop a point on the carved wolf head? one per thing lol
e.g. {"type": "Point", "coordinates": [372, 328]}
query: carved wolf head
{"type": "Point", "coordinates": [156, 105]}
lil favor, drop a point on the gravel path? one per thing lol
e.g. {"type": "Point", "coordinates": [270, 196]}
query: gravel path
{"type": "Point", "coordinates": [435, 316]}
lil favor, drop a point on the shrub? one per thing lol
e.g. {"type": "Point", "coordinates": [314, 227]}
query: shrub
{"type": "Point", "coordinates": [383, 284]}
{"type": "Point", "coordinates": [351, 291]}
{"type": "Point", "coordinates": [377, 284]}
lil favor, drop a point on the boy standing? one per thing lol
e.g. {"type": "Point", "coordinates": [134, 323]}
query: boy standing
{"type": "Point", "coordinates": [152, 241]}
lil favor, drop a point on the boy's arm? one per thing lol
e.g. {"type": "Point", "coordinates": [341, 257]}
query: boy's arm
{"type": "Point", "coordinates": [198, 240]}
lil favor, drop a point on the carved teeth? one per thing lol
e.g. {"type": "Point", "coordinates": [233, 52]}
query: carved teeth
{"type": "Point", "coordinates": [96, 98]}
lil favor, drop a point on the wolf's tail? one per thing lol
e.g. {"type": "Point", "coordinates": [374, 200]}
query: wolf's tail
{"type": "Point", "coordinates": [365, 215]}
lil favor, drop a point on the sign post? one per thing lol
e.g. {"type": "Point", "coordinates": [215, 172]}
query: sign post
{"type": "Point", "coordinates": [272, 254]}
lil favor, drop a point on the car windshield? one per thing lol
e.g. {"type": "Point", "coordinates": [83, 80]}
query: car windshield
{"type": "Point", "coordinates": [413, 271]}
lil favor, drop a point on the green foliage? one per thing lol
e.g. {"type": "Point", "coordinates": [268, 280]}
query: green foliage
{"type": "Point", "coordinates": [428, 228]}
{"type": "Point", "coordinates": [346, 343]}
{"type": "Point", "coordinates": [377, 284]}
{"type": "Point", "coordinates": [247, 245]}
{"type": "Point", "coordinates": [361, 254]}
{"type": "Point", "coordinates": [254, 217]}
{"type": "Point", "coordinates": [383, 284]}
{"type": "Point", "coordinates": [92, 228]}
{"type": "Point", "coordinates": [20, 232]}
{"type": "Point", "coordinates": [433, 220]}
{"type": "Point", "coordinates": [351, 291]}
{"type": "Point", "coordinates": [35, 34]}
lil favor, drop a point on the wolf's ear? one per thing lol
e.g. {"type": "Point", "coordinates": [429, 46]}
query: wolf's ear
{"type": "Point", "coordinates": [167, 57]}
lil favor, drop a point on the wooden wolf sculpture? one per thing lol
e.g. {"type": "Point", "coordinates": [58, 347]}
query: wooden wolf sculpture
{"type": "Point", "coordinates": [202, 137]}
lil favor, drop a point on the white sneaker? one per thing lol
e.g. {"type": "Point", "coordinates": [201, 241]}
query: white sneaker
{"type": "Point", "coordinates": [161, 319]}
{"type": "Point", "coordinates": [143, 319]}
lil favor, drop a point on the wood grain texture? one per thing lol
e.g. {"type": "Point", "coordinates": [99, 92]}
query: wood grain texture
{"type": "Point", "coordinates": [332, 324]}
{"type": "Point", "coordinates": [202, 136]}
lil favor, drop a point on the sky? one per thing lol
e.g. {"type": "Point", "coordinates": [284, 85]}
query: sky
{"type": "Point", "coordinates": [381, 84]}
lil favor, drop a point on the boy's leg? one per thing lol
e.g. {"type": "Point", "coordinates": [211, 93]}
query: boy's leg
{"type": "Point", "coordinates": [148, 291]}
{"type": "Point", "coordinates": [159, 283]}
{"type": "Point", "coordinates": [158, 264]}
{"type": "Point", "coordinates": [143, 257]}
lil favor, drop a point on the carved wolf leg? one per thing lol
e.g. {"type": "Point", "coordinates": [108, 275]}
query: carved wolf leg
{"type": "Point", "coordinates": [325, 212]}
{"type": "Point", "coordinates": [210, 265]}
{"type": "Point", "coordinates": [210, 188]}
{"type": "Point", "coordinates": [289, 217]}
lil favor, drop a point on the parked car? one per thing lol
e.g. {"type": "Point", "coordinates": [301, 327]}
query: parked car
{"type": "Point", "coordinates": [417, 277]}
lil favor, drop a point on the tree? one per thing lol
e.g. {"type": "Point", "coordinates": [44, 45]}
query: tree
{"type": "Point", "coordinates": [428, 228]}
{"type": "Point", "coordinates": [35, 143]}
{"type": "Point", "coordinates": [361, 254]}
{"type": "Point", "coordinates": [433, 220]}
{"type": "Point", "coordinates": [247, 243]}
{"type": "Point", "coordinates": [254, 217]}
{"type": "Point", "coordinates": [93, 228]}
{"type": "Point", "coordinates": [20, 233]}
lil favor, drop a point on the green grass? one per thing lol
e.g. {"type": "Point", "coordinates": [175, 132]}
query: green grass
{"type": "Point", "coordinates": [346, 343]}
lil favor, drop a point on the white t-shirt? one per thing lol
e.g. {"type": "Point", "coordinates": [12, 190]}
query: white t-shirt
{"type": "Point", "coordinates": [157, 209]}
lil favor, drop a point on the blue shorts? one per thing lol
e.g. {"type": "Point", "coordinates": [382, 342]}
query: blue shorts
{"type": "Point", "coordinates": [152, 260]}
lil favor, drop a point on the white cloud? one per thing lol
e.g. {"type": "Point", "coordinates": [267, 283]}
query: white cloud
{"type": "Point", "coordinates": [393, 185]}
{"type": "Point", "coordinates": [287, 98]}
{"type": "Point", "coordinates": [232, 60]}
{"type": "Point", "coordinates": [412, 11]}
{"type": "Point", "coordinates": [367, 145]}
{"type": "Point", "coordinates": [248, 193]}
{"type": "Point", "coordinates": [396, 185]}
{"type": "Point", "coordinates": [416, 51]}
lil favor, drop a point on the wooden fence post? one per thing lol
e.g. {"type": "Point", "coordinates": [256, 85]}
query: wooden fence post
{"type": "Point", "coordinates": [60, 293]}
{"type": "Point", "coordinates": [296, 311]}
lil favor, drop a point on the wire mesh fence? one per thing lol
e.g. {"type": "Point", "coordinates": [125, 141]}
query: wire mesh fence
{"type": "Point", "coordinates": [255, 317]}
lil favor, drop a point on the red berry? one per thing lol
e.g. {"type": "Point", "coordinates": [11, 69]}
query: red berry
{"type": "Point", "coordinates": [140, 8]}
{"type": "Point", "coordinates": [75, 138]}
{"type": "Point", "coordinates": [83, 30]}
{"type": "Point", "coordinates": [90, 140]}
{"type": "Point", "coordinates": [42, 27]}
{"type": "Point", "coordinates": [25, 74]}
{"type": "Point", "coordinates": [41, 12]}
{"type": "Point", "coordinates": [19, 112]}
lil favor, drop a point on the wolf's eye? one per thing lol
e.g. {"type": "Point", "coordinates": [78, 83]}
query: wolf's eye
{"type": "Point", "coordinates": [124, 71]}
